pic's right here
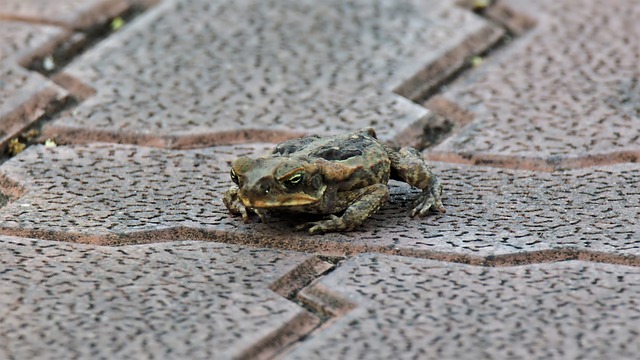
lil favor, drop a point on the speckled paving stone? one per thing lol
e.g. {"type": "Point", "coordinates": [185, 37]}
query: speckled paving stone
{"type": "Point", "coordinates": [565, 94]}
{"type": "Point", "coordinates": [420, 309]}
{"type": "Point", "coordinates": [25, 95]}
{"type": "Point", "coordinates": [172, 301]}
{"type": "Point", "coordinates": [66, 13]}
{"type": "Point", "coordinates": [189, 72]}
{"type": "Point", "coordinates": [115, 194]}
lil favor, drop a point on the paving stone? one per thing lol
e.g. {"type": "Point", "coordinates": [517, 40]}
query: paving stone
{"type": "Point", "coordinates": [192, 72]}
{"type": "Point", "coordinates": [413, 308]}
{"type": "Point", "coordinates": [115, 194]}
{"type": "Point", "coordinates": [179, 300]}
{"type": "Point", "coordinates": [77, 14]}
{"type": "Point", "coordinates": [19, 40]}
{"type": "Point", "coordinates": [565, 94]}
{"type": "Point", "coordinates": [25, 95]}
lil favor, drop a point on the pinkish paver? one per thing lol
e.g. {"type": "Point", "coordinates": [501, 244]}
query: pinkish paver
{"type": "Point", "coordinates": [181, 300]}
{"type": "Point", "coordinates": [406, 308]}
{"type": "Point", "coordinates": [566, 94]}
{"type": "Point", "coordinates": [25, 95]}
{"type": "Point", "coordinates": [188, 73]}
{"type": "Point", "coordinates": [76, 14]}
{"type": "Point", "coordinates": [117, 194]}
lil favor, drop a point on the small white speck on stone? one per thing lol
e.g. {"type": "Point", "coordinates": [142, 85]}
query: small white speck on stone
{"type": "Point", "coordinates": [48, 64]}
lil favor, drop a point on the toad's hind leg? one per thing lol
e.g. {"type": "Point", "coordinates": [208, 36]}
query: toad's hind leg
{"type": "Point", "coordinates": [407, 165]}
{"type": "Point", "coordinates": [364, 203]}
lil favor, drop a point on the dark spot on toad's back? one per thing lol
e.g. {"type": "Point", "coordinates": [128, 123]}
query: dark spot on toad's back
{"type": "Point", "coordinates": [294, 145]}
{"type": "Point", "coordinates": [336, 153]}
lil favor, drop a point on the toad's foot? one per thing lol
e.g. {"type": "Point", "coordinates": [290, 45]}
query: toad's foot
{"type": "Point", "coordinates": [332, 223]}
{"type": "Point", "coordinates": [233, 204]}
{"type": "Point", "coordinates": [429, 200]}
{"type": "Point", "coordinates": [236, 207]}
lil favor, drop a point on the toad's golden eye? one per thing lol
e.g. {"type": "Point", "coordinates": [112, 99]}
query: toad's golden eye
{"type": "Point", "coordinates": [234, 176]}
{"type": "Point", "coordinates": [294, 180]}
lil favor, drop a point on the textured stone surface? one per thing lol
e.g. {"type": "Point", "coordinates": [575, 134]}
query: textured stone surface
{"type": "Point", "coordinates": [181, 300]}
{"type": "Point", "coordinates": [410, 308]}
{"type": "Point", "coordinates": [110, 194]}
{"type": "Point", "coordinates": [565, 94]}
{"type": "Point", "coordinates": [197, 71]}
{"type": "Point", "coordinates": [18, 40]}
{"type": "Point", "coordinates": [190, 73]}
{"type": "Point", "coordinates": [110, 190]}
{"type": "Point", "coordinates": [67, 13]}
{"type": "Point", "coordinates": [24, 95]}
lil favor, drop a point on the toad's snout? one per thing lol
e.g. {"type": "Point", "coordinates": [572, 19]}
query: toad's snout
{"type": "Point", "coordinates": [253, 194]}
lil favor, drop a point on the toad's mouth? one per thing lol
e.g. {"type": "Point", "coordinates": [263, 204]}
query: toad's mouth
{"type": "Point", "coordinates": [283, 202]}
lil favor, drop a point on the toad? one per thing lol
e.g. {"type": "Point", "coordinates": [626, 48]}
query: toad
{"type": "Point", "coordinates": [343, 177]}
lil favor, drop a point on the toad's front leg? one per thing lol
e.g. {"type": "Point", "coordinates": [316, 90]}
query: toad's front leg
{"type": "Point", "coordinates": [233, 203]}
{"type": "Point", "coordinates": [408, 166]}
{"type": "Point", "coordinates": [364, 203]}
{"type": "Point", "coordinates": [236, 207]}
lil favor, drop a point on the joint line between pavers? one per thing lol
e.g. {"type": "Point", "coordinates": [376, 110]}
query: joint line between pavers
{"type": "Point", "coordinates": [317, 246]}
{"type": "Point", "coordinates": [61, 52]}
{"type": "Point", "coordinates": [288, 286]}
{"type": "Point", "coordinates": [327, 306]}
{"type": "Point", "coordinates": [549, 164]}
{"type": "Point", "coordinates": [426, 96]}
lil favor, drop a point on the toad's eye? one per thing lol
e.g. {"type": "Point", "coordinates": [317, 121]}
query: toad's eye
{"type": "Point", "coordinates": [294, 180]}
{"type": "Point", "coordinates": [234, 176]}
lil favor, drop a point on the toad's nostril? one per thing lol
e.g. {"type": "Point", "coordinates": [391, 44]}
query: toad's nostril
{"type": "Point", "coordinates": [265, 187]}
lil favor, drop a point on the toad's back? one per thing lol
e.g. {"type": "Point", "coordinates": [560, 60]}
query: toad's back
{"type": "Point", "coordinates": [359, 153]}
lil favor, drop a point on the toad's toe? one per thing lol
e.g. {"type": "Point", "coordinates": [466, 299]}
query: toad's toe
{"type": "Point", "coordinates": [427, 202]}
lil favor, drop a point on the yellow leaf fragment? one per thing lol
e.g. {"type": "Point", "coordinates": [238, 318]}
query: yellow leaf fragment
{"type": "Point", "coordinates": [15, 147]}
{"type": "Point", "coordinates": [50, 143]}
{"type": "Point", "coordinates": [117, 23]}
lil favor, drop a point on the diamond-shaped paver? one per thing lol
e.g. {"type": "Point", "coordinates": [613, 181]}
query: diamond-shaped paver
{"type": "Point", "coordinates": [172, 301]}
{"type": "Point", "coordinates": [406, 308]}
{"type": "Point", "coordinates": [189, 72]}
{"type": "Point", "coordinates": [66, 13]}
{"type": "Point", "coordinates": [25, 95]}
{"type": "Point", "coordinates": [566, 94]}
{"type": "Point", "coordinates": [115, 194]}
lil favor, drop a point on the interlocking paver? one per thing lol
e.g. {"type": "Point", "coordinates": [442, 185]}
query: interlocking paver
{"type": "Point", "coordinates": [413, 308]}
{"type": "Point", "coordinates": [563, 95]}
{"type": "Point", "coordinates": [25, 95]}
{"type": "Point", "coordinates": [77, 14]}
{"type": "Point", "coordinates": [199, 71]}
{"type": "Point", "coordinates": [191, 73]}
{"type": "Point", "coordinates": [181, 300]}
{"type": "Point", "coordinates": [111, 194]}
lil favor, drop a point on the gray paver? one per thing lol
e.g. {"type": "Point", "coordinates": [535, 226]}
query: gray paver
{"type": "Point", "coordinates": [412, 308]}
{"type": "Point", "coordinates": [563, 95]}
{"type": "Point", "coordinates": [194, 72]}
{"type": "Point", "coordinates": [228, 72]}
{"type": "Point", "coordinates": [25, 95]}
{"type": "Point", "coordinates": [66, 13]}
{"type": "Point", "coordinates": [181, 300]}
{"type": "Point", "coordinates": [112, 194]}
{"type": "Point", "coordinates": [18, 40]}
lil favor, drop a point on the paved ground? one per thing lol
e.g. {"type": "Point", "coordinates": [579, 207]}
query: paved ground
{"type": "Point", "coordinates": [115, 243]}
